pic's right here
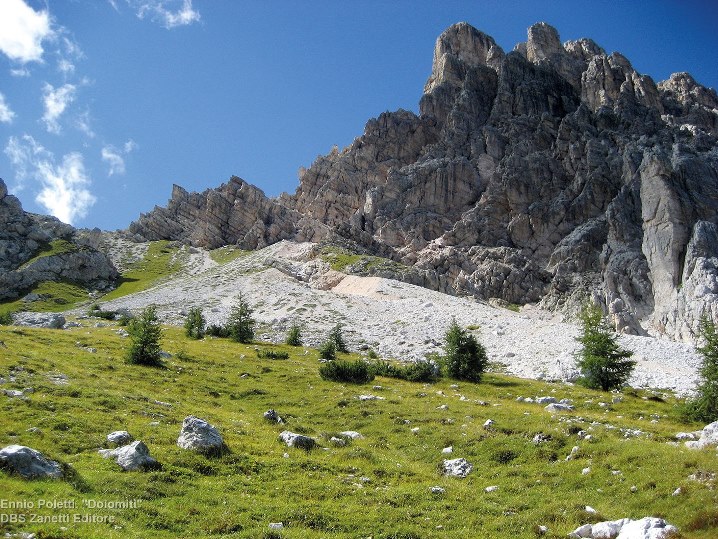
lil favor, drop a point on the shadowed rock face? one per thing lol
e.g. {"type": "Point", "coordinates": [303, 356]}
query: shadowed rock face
{"type": "Point", "coordinates": [551, 173]}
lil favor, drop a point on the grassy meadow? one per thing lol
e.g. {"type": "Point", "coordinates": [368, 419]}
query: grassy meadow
{"type": "Point", "coordinates": [378, 486]}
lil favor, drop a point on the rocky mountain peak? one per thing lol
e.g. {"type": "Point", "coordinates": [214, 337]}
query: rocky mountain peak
{"type": "Point", "coordinates": [543, 42]}
{"type": "Point", "coordinates": [459, 48]}
{"type": "Point", "coordinates": [550, 174]}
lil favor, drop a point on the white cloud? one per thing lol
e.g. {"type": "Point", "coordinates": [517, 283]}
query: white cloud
{"type": "Point", "coordinates": [65, 67]}
{"type": "Point", "coordinates": [20, 72]}
{"type": "Point", "coordinates": [64, 186]}
{"type": "Point", "coordinates": [22, 31]}
{"type": "Point", "coordinates": [169, 13]}
{"type": "Point", "coordinates": [56, 100]}
{"type": "Point", "coordinates": [84, 123]}
{"type": "Point", "coordinates": [6, 115]}
{"type": "Point", "coordinates": [114, 157]}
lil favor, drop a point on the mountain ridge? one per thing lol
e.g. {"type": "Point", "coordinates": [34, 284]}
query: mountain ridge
{"type": "Point", "coordinates": [549, 174]}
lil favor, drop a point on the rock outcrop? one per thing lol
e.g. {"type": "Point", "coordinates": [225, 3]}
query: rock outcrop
{"type": "Point", "coordinates": [24, 237]}
{"type": "Point", "coordinates": [234, 213]}
{"type": "Point", "coordinates": [552, 173]}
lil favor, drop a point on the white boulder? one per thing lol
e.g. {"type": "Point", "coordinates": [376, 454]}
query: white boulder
{"type": "Point", "coordinates": [297, 440]}
{"type": "Point", "coordinates": [120, 437]}
{"type": "Point", "coordinates": [457, 467]}
{"type": "Point", "coordinates": [198, 435]}
{"type": "Point", "coordinates": [28, 463]}
{"type": "Point", "coordinates": [708, 437]}
{"type": "Point", "coordinates": [134, 456]}
{"type": "Point", "coordinates": [625, 528]}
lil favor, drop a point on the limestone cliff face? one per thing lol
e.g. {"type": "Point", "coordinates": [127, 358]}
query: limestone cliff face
{"type": "Point", "coordinates": [550, 173]}
{"type": "Point", "coordinates": [22, 237]}
{"type": "Point", "coordinates": [234, 213]}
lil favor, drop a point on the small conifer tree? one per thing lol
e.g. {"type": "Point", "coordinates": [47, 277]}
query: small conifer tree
{"type": "Point", "coordinates": [241, 323]}
{"type": "Point", "coordinates": [194, 325]}
{"type": "Point", "coordinates": [704, 406]}
{"type": "Point", "coordinates": [465, 358]}
{"type": "Point", "coordinates": [336, 337]}
{"type": "Point", "coordinates": [603, 363]}
{"type": "Point", "coordinates": [145, 333]}
{"type": "Point", "coordinates": [294, 336]}
{"type": "Point", "coordinates": [328, 351]}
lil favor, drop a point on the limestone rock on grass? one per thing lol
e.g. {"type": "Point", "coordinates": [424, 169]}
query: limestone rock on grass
{"type": "Point", "coordinates": [625, 528]}
{"type": "Point", "coordinates": [28, 463]}
{"type": "Point", "coordinates": [198, 435]}
{"type": "Point", "coordinates": [119, 437]}
{"type": "Point", "coordinates": [457, 467]}
{"type": "Point", "coordinates": [39, 320]}
{"type": "Point", "coordinates": [131, 457]}
{"type": "Point", "coordinates": [273, 416]}
{"type": "Point", "coordinates": [297, 440]}
{"type": "Point", "coordinates": [558, 407]}
{"type": "Point", "coordinates": [708, 437]}
{"type": "Point", "coordinates": [354, 435]}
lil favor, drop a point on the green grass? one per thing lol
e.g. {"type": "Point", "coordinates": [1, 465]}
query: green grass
{"type": "Point", "coordinates": [57, 296]}
{"type": "Point", "coordinates": [341, 259]}
{"type": "Point", "coordinates": [378, 486]}
{"type": "Point", "coordinates": [226, 254]}
{"type": "Point", "coordinates": [160, 262]}
{"type": "Point", "coordinates": [55, 247]}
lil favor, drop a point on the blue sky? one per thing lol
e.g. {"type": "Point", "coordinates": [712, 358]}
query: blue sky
{"type": "Point", "coordinates": [104, 104]}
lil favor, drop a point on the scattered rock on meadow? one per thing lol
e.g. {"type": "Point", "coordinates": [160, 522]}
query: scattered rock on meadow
{"type": "Point", "coordinates": [708, 437]}
{"type": "Point", "coordinates": [370, 398]}
{"type": "Point", "coordinates": [273, 416]}
{"type": "Point", "coordinates": [352, 434]}
{"type": "Point", "coordinates": [437, 490]}
{"type": "Point", "coordinates": [120, 437]}
{"type": "Point", "coordinates": [558, 407]}
{"type": "Point", "coordinates": [546, 400]}
{"type": "Point", "coordinates": [131, 457]}
{"type": "Point", "coordinates": [39, 320]}
{"type": "Point", "coordinates": [625, 528]}
{"type": "Point", "coordinates": [541, 438]}
{"type": "Point", "coordinates": [297, 440]}
{"type": "Point", "coordinates": [457, 467]}
{"type": "Point", "coordinates": [338, 442]}
{"type": "Point", "coordinates": [198, 435]}
{"type": "Point", "coordinates": [28, 463]}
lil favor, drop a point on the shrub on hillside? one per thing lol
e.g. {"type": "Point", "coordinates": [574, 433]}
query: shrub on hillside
{"type": "Point", "coordinates": [421, 371]}
{"type": "Point", "coordinates": [294, 336]}
{"type": "Point", "coordinates": [465, 358]}
{"type": "Point", "coordinates": [353, 372]}
{"type": "Point", "coordinates": [194, 324]}
{"type": "Point", "coordinates": [704, 406]}
{"type": "Point", "coordinates": [5, 319]}
{"type": "Point", "coordinates": [145, 333]}
{"type": "Point", "coordinates": [215, 330]}
{"type": "Point", "coordinates": [602, 362]}
{"type": "Point", "coordinates": [241, 323]}
{"type": "Point", "coordinates": [98, 312]}
{"type": "Point", "coordinates": [272, 354]}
